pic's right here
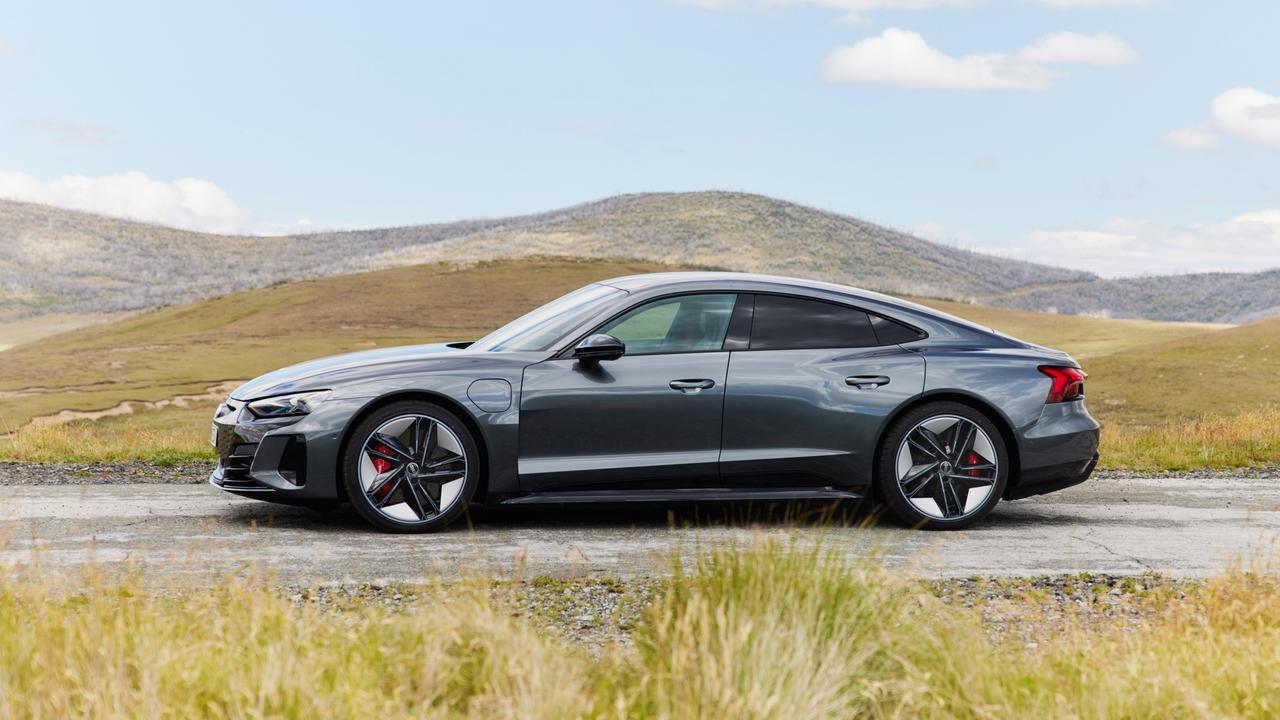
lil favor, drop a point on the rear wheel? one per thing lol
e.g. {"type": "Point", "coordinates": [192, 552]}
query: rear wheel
{"type": "Point", "coordinates": [410, 467]}
{"type": "Point", "coordinates": [942, 466]}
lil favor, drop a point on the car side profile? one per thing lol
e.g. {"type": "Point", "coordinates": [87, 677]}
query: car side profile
{"type": "Point", "coordinates": [672, 387]}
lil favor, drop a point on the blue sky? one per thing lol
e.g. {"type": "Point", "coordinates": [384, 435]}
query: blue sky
{"type": "Point", "coordinates": [1119, 136]}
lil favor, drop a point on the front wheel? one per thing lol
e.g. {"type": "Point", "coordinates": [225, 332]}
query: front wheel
{"type": "Point", "coordinates": [410, 467]}
{"type": "Point", "coordinates": [942, 466]}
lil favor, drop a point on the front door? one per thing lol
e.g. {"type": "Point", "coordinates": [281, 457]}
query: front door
{"type": "Point", "coordinates": [650, 419]}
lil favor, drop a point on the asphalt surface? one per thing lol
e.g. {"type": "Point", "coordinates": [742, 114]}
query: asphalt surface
{"type": "Point", "coordinates": [1182, 526]}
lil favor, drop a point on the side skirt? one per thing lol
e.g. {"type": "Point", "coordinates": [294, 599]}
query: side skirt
{"type": "Point", "coordinates": [681, 496]}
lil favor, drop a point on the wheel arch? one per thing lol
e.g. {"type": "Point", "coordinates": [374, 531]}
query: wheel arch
{"type": "Point", "coordinates": [434, 398]}
{"type": "Point", "coordinates": [992, 413]}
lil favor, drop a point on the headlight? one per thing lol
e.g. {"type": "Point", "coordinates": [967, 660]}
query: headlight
{"type": "Point", "coordinates": [287, 405]}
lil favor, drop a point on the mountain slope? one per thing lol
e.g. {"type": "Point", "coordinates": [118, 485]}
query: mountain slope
{"type": "Point", "coordinates": [1205, 297]}
{"type": "Point", "coordinates": [62, 261]}
{"type": "Point", "coordinates": [56, 260]}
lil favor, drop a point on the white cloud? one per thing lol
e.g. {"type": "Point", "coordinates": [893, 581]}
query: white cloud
{"type": "Point", "coordinates": [1249, 114]}
{"type": "Point", "coordinates": [1192, 138]}
{"type": "Point", "coordinates": [186, 203]}
{"type": "Point", "coordinates": [1069, 47]}
{"type": "Point", "coordinates": [903, 58]}
{"type": "Point", "coordinates": [1121, 247]}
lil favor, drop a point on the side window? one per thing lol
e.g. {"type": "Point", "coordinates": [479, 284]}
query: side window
{"type": "Point", "coordinates": [786, 323]}
{"type": "Point", "coordinates": [688, 323]}
{"type": "Point", "coordinates": [889, 332]}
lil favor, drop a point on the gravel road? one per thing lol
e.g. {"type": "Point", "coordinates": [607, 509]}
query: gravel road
{"type": "Point", "coordinates": [63, 517]}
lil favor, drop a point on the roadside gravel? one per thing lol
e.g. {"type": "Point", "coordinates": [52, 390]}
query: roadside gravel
{"type": "Point", "coordinates": [136, 472]}
{"type": "Point", "coordinates": [131, 472]}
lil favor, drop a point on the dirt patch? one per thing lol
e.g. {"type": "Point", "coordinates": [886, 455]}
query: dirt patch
{"type": "Point", "coordinates": [213, 393]}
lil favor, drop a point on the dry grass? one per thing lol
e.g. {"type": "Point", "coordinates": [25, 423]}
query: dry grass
{"type": "Point", "coordinates": [764, 632]}
{"type": "Point", "coordinates": [1247, 439]}
{"type": "Point", "coordinates": [164, 436]}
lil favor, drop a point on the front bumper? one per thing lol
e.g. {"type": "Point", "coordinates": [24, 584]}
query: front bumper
{"type": "Point", "coordinates": [283, 460]}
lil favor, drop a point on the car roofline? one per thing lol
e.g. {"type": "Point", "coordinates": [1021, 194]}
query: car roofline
{"type": "Point", "coordinates": [675, 280]}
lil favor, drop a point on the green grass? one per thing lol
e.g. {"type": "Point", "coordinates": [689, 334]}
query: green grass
{"type": "Point", "coordinates": [768, 631]}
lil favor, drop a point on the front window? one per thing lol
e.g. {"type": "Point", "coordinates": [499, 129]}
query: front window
{"type": "Point", "coordinates": [540, 329]}
{"type": "Point", "coordinates": [689, 323]}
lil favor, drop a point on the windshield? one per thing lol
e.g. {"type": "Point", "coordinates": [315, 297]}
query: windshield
{"type": "Point", "coordinates": [541, 328]}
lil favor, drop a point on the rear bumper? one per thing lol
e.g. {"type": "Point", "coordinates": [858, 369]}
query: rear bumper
{"type": "Point", "coordinates": [1052, 479]}
{"type": "Point", "coordinates": [1059, 451]}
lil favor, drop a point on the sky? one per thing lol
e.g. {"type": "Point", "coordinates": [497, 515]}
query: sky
{"type": "Point", "coordinates": [1125, 137]}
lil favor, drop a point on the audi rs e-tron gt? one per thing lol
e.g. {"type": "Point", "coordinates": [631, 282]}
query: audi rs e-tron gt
{"type": "Point", "coordinates": [672, 387]}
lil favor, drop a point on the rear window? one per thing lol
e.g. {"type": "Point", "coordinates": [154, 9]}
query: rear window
{"type": "Point", "coordinates": [786, 323]}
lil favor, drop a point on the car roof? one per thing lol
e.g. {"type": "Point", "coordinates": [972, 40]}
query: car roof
{"type": "Point", "coordinates": [751, 281]}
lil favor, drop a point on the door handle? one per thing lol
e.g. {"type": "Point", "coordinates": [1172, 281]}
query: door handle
{"type": "Point", "coordinates": [692, 386]}
{"type": "Point", "coordinates": [865, 382]}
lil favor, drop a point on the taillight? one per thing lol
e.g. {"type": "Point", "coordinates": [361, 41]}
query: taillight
{"type": "Point", "coordinates": [1068, 382]}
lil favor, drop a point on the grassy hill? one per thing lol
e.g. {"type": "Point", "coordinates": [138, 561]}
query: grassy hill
{"type": "Point", "coordinates": [61, 261]}
{"type": "Point", "coordinates": [56, 260]}
{"type": "Point", "coordinates": [154, 377]}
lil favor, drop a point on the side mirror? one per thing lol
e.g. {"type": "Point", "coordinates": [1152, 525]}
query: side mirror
{"type": "Point", "coordinates": [599, 347]}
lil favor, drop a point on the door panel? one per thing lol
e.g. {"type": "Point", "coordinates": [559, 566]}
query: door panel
{"type": "Point", "coordinates": [811, 417]}
{"type": "Point", "coordinates": [622, 423]}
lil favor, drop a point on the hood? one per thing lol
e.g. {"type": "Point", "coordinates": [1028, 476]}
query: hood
{"type": "Point", "coordinates": [322, 374]}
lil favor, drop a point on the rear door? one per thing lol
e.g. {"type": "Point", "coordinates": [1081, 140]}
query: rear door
{"type": "Point", "coordinates": [650, 419]}
{"type": "Point", "coordinates": [808, 396]}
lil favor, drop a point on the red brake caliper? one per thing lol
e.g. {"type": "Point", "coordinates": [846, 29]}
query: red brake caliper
{"type": "Point", "coordinates": [382, 465]}
{"type": "Point", "coordinates": [974, 460]}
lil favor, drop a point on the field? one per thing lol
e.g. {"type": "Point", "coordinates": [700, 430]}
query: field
{"type": "Point", "coordinates": [1171, 395]}
{"type": "Point", "coordinates": [705, 642]}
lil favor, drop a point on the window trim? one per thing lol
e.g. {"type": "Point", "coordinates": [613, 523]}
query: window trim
{"type": "Point", "coordinates": [922, 334]}
{"type": "Point", "coordinates": [567, 350]}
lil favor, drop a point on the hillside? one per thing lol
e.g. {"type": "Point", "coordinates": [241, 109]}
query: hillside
{"type": "Point", "coordinates": [56, 260]}
{"type": "Point", "coordinates": [1205, 297]}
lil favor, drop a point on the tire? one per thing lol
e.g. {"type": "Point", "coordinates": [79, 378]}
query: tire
{"type": "Point", "coordinates": [391, 460]}
{"type": "Point", "coordinates": [961, 488]}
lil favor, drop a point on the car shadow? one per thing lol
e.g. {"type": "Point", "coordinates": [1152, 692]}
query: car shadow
{"type": "Point", "coordinates": [799, 514]}
{"type": "Point", "coordinates": [720, 514]}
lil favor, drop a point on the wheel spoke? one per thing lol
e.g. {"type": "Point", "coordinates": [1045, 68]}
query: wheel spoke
{"type": "Point", "coordinates": [381, 481]}
{"type": "Point", "coordinates": [437, 464]}
{"type": "Point", "coordinates": [443, 476]}
{"type": "Point", "coordinates": [964, 441]}
{"type": "Point", "coordinates": [415, 502]}
{"type": "Point", "coordinates": [950, 488]}
{"type": "Point", "coordinates": [922, 447]}
{"type": "Point", "coordinates": [394, 444]}
{"type": "Point", "coordinates": [430, 440]}
{"type": "Point", "coordinates": [390, 494]}
{"type": "Point", "coordinates": [933, 440]}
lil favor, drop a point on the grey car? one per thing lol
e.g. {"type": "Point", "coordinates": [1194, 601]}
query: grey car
{"type": "Point", "coordinates": [672, 387]}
